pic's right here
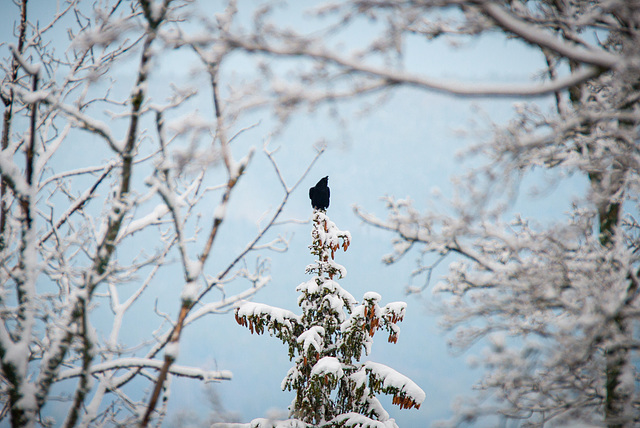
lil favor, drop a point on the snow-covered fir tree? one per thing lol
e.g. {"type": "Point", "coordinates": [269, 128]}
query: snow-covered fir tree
{"type": "Point", "coordinates": [326, 343]}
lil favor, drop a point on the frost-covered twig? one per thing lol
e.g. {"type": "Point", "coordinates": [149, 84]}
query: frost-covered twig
{"type": "Point", "coordinates": [251, 245]}
{"type": "Point", "coordinates": [399, 77]}
{"type": "Point", "coordinates": [118, 364]}
{"type": "Point", "coordinates": [530, 33]}
{"type": "Point", "coordinates": [79, 203]}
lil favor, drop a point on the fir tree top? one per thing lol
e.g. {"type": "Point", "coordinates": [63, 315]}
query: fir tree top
{"type": "Point", "coordinates": [326, 343]}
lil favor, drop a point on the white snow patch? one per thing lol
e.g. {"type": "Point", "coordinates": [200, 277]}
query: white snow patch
{"type": "Point", "coordinates": [360, 421]}
{"type": "Point", "coordinates": [312, 337]}
{"type": "Point", "coordinates": [172, 350]}
{"type": "Point", "coordinates": [372, 296]}
{"type": "Point", "coordinates": [326, 366]}
{"type": "Point", "coordinates": [190, 291]}
{"type": "Point", "coordinates": [28, 400]}
{"type": "Point", "coordinates": [393, 379]}
{"type": "Point", "coordinates": [259, 309]}
{"type": "Point", "coordinates": [220, 212]}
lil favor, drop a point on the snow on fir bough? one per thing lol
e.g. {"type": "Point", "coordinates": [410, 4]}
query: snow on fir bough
{"type": "Point", "coordinates": [327, 341]}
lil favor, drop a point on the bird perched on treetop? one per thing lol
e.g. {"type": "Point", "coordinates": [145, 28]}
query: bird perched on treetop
{"type": "Point", "coordinates": [319, 194]}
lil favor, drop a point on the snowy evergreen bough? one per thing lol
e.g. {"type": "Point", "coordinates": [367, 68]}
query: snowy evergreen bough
{"type": "Point", "coordinates": [327, 342]}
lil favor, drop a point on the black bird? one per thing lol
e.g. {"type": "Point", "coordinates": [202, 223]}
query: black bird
{"type": "Point", "coordinates": [319, 195]}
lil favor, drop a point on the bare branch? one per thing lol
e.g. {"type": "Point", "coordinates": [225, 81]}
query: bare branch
{"type": "Point", "coordinates": [596, 57]}
{"type": "Point", "coordinates": [206, 375]}
{"type": "Point", "coordinates": [398, 77]}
